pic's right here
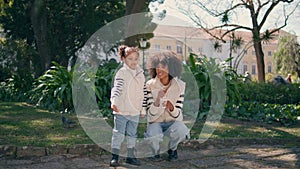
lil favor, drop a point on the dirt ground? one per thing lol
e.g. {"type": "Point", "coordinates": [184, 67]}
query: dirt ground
{"type": "Point", "coordinates": [222, 154]}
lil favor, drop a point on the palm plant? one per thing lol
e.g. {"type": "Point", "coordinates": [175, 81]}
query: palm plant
{"type": "Point", "coordinates": [214, 80]}
{"type": "Point", "coordinates": [53, 89]}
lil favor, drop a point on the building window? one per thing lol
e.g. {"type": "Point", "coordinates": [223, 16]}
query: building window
{"type": "Point", "coordinates": [269, 68]}
{"type": "Point", "coordinates": [179, 49]}
{"type": "Point", "coordinates": [245, 68]}
{"type": "Point", "coordinates": [269, 53]}
{"type": "Point", "coordinates": [254, 69]}
{"type": "Point", "coordinates": [190, 49]}
{"type": "Point", "coordinates": [157, 47]}
{"type": "Point", "coordinates": [169, 47]}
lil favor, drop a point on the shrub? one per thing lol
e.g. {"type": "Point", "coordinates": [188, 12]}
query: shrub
{"type": "Point", "coordinates": [269, 93]}
{"type": "Point", "coordinates": [53, 89]}
{"type": "Point", "coordinates": [207, 72]}
{"type": "Point", "coordinates": [90, 83]}
{"type": "Point", "coordinates": [264, 112]}
{"type": "Point", "coordinates": [17, 71]}
{"type": "Point", "coordinates": [103, 84]}
{"type": "Point", "coordinates": [15, 88]}
{"type": "Point", "coordinates": [263, 102]}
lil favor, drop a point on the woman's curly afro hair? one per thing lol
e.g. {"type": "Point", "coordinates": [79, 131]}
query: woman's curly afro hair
{"type": "Point", "coordinates": [165, 58]}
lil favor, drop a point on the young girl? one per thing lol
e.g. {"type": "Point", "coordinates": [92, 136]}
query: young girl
{"type": "Point", "coordinates": [127, 97]}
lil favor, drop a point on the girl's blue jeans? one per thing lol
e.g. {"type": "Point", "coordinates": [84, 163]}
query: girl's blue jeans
{"type": "Point", "coordinates": [124, 125]}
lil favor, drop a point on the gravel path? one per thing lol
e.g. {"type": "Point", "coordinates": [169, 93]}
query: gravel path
{"type": "Point", "coordinates": [243, 156]}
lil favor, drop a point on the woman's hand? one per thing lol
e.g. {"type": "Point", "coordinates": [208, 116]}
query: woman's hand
{"type": "Point", "coordinates": [160, 94]}
{"type": "Point", "coordinates": [169, 106]}
{"type": "Point", "coordinates": [114, 108]}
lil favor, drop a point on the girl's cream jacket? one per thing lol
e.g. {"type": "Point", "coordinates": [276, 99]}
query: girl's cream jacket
{"type": "Point", "coordinates": [175, 94]}
{"type": "Point", "coordinates": [128, 91]}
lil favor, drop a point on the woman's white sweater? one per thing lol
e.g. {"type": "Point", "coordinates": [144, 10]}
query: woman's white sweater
{"type": "Point", "coordinates": [175, 94]}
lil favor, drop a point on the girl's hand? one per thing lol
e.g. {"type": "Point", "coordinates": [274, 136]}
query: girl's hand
{"type": "Point", "coordinates": [114, 108]}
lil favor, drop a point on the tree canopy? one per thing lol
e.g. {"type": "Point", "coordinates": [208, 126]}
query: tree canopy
{"type": "Point", "coordinates": [57, 29]}
{"type": "Point", "coordinates": [287, 58]}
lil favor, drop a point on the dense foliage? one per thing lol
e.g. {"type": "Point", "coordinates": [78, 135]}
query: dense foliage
{"type": "Point", "coordinates": [103, 84]}
{"type": "Point", "coordinates": [286, 114]}
{"type": "Point", "coordinates": [267, 103]}
{"type": "Point", "coordinates": [13, 90]}
{"type": "Point", "coordinates": [269, 93]}
{"type": "Point", "coordinates": [53, 89]}
{"type": "Point", "coordinates": [263, 102]}
{"type": "Point", "coordinates": [16, 70]}
{"type": "Point", "coordinates": [207, 69]}
{"type": "Point", "coordinates": [247, 101]}
{"type": "Point", "coordinates": [287, 57]}
{"type": "Point", "coordinates": [57, 29]}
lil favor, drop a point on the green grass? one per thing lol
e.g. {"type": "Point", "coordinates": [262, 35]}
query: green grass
{"type": "Point", "coordinates": [22, 124]}
{"type": "Point", "coordinates": [232, 128]}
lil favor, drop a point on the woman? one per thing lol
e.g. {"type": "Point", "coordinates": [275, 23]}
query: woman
{"type": "Point", "coordinates": [164, 100]}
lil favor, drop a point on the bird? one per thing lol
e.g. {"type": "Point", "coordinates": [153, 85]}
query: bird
{"type": "Point", "coordinates": [68, 122]}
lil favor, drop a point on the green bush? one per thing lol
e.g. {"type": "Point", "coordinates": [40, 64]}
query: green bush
{"type": "Point", "coordinates": [15, 88]}
{"type": "Point", "coordinates": [262, 102]}
{"type": "Point", "coordinates": [17, 71]}
{"type": "Point", "coordinates": [103, 84]}
{"type": "Point", "coordinates": [53, 89]}
{"type": "Point", "coordinates": [265, 112]}
{"type": "Point", "coordinates": [207, 72]}
{"type": "Point", "coordinates": [265, 102]}
{"type": "Point", "coordinates": [269, 93]}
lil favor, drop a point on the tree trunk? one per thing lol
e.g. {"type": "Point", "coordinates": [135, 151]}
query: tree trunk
{"type": "Point", "coordinates": [260, 61]}
{"type": "Point", "coordinates": [298, 73]}
{"type": "Point", "coordinates": [258, 49]}
{"type": "Point", "coordinates": [39, 24]}
{"type": "Point", "coordinates": [134, 6]}
{"type": "Point", "coordinates": [133, 23]}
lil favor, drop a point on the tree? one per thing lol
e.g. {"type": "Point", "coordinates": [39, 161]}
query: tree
{"type": "Point", "coordinates": [259, 12]}
{"type": "Point", "coordinates": [287, 58]}
{"type": "Point", "coordinates": [235, 43]}
{"type": "Point", "coordinates": [37, 11]}
{"type": "Point", "coordinates": [135, 23]}
{"type": "Point", "coordinates": [56, 29]}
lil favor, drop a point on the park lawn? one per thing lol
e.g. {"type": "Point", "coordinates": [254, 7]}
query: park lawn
{"type": "Point", "coordinates": [22, 124]}
{"type": "Point", "coordinates": [233, 128]}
